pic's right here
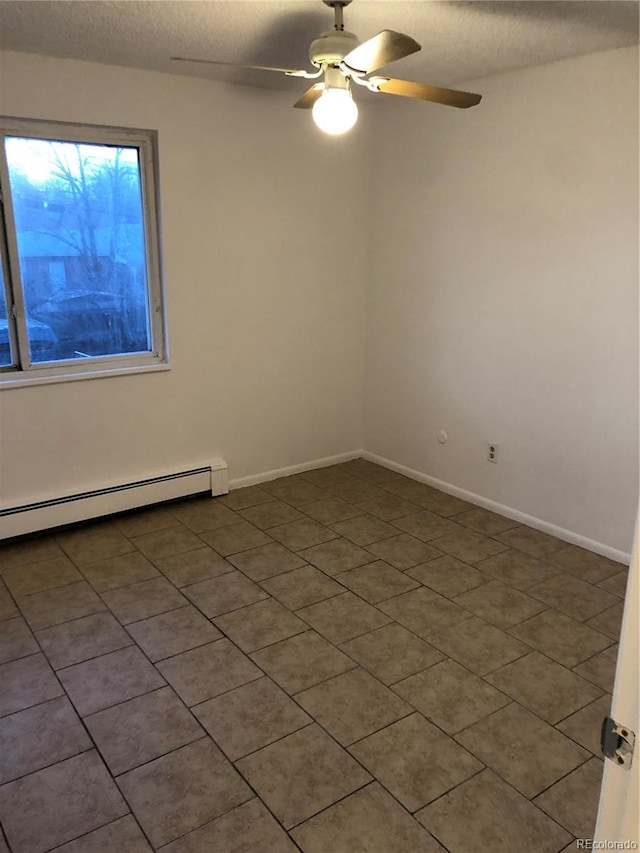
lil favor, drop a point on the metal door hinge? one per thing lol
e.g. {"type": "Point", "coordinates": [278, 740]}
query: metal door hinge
{"type": "Point", "coordinates": [617, 742]}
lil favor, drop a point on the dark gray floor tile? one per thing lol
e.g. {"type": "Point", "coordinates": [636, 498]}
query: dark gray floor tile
{"type": "Point", "coordinates": [250, 717]}
{"type": "Point", "coordinates": [118, 571]}
{"type": "Point", "coordinates": [358, 491]}
{"type": "Point", "coordinates": [25, 682]}
{"type": "Point", "coordinates": [8, 608]}
{"type": "Point", "coordinates": [336, 556]}
{"type": "Point", "coordinates": [197, 776]}
{"type": "Point", "coordinates": [305, 533]}
{"type": "Point", "coordinates": [249, 828]}
{"type": "Point", "coordinates": [532, 542]}
{"type": "Point", "coordinates": [387, 507]}
{"type": "Point", "coordinates": [572, 596]}
{"type": "Point", "coordinates": [302, 774]}
{"type": "Point", "coordinates": [442, 503]}
{"type": "Point", "coordinates": [415, 761]}
{"type": "Point", "coordinates": [478, 646]}
{"type": "Point", "coordinates": [81, 639]}
{"type": "Point", "coordinates": [364, 529]}
{"type": "Point", "coordinates": [207, 671]}
{"type": "Point", "coordinates": [499, 604]}
{"type": "Point", "coordinates": [527, 752]}
{"type": "Point", "coordinates": [448, 576]}
{"type": "Point", "coordinates": [451, 696]}
{"type": "Point", "coordinates": [403, 551]}
{"type": "Point", "coordinates": [173, 632]}
{"type": "Point", "coordinates": [585, 725]}
{"type": "Point", "coordinates": [302, 661]}
{"type": "Point", "coordinates": [543, 686]}
{"type": "Point", "coordinates": [486, 814]}
{"type": "Point", "coordinates": [101, 682]}
{"type": "Point", "coordinates": [484, 521]}
{"type": "Point", "coordinates": [301, 587]}
{"type": "Point", "coordinates": [235, 537]}
{"type": "Point", "coordinates": [266, 561]}
{"type": "Point", "coordinates": [271, 514]}
{"type": "Point", "coordinates": [617, 584]}
{"type": "Point", "coordinates": [144, 521]}
{"type": "Point", "coordinates": [16, 640]}
{"type": "Point", "coordinates": [95, 541]}
{"type": "Point", "coordinates": [141, 729]}
{"type": "Point", "coordinates": [560, 638]}
{"type": "Point", "coordinates": [54, 606]}
{"type": "Point", "coordinates": [27, 551]}
{"type": "Point", "coordinates": [343, 617]}
{"type": "Point", "coordinates": [573, 801]}
{"type": "Point", "coordinates": [165, 543]}
{"type": "Point", "coordinates": [204, 514]}
{"type": "Point", "coordinates": [585, 564]}
{"type": "Point", "coordinates": [123, 834]}
{"type": "Point", "coordinates": [369, 821]}
{"type": "Point", "coordinates": [377, 581]}
{"type": "Point", "coordinates": [330, 510]}
{"type": "Point", "coordinates": [423, 611]}
{"type": "Point", "coordinates": [609, 622]}
{"type": "Point", "coordinates": [259, 625]}
{"type": "Point", "coordinates": [352, 705]}
{"type": "Point", "coordinates": [425, 525]}
{"type": "Point", "coordinates": [141, 600]}
{"type": "Point", "coordinates": [245, 497]}
{"type": "Point", "coordinates": [294, 490]}
{"type": "Point", "coordinates": [39, 736]}
{"type": "Point", "coordinates": [391, 653]}
{"type": "Point", "coordinates": [55, 805]}
{"type": "Point", "coordinates": [517, 569]}
{"type": "Point", "coordinates": [36, 577]}
{"type": "Point", "coordinates": [600, 669]}
{"type": "Point", "coordinates": [193, 566]}
{"type": "Point", "coordinates": [224, 594]}
{"type": "Point", "coordinates": [468, 546]}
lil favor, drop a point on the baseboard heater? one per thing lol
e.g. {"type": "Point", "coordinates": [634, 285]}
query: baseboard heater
{"type": "Point", "coordinates": [109, 499]}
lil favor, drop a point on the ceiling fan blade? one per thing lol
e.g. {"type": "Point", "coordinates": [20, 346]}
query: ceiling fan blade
{"type": "Point", "coordinates": [379, 51]}
{"type": "Point", "coordinates": [291, 72]}
{"type": "Point", "coordinates": [425, 92]}
{"type": "Point", "coordinates": [306, 101]}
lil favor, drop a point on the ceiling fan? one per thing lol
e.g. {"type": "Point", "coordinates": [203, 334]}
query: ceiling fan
{"type": "Point", "coordinates": [341, 60]}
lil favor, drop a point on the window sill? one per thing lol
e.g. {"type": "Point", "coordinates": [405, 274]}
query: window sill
{"type": "Point", "coordinates": [21, 380]}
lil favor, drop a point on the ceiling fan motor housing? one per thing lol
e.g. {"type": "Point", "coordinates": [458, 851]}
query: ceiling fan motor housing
{"type": "Point", "coordinates": [331, 47]}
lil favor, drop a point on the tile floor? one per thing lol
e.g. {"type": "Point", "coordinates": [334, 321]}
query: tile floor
{"type": "Point", "coordinates": [341, 661]}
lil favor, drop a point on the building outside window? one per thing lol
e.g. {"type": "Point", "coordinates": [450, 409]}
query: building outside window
{"type": "Point", "coordinates": [80, 286]}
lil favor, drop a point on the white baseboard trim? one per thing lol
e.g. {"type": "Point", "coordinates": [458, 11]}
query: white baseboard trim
{"type": "Point", "coordinates": [266, 476]}
{"type": "Point", "coordinates": [509, 512]}
{"type": "Point", "coordinates": [106, 499]}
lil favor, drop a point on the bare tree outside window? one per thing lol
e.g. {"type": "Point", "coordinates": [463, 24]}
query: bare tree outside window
{"type": "Point", "coordinates": [81, 276]}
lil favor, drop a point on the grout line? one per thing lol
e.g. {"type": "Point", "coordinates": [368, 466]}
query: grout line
{"type": "Point", "coordinates": [337, 647]}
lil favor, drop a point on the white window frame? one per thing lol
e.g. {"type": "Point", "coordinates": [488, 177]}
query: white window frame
{"type": "Point", "coordinates": [24, 372]}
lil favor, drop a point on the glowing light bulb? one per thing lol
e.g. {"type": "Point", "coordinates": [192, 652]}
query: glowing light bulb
{"type": "Point", "coordinates": [335, 111]}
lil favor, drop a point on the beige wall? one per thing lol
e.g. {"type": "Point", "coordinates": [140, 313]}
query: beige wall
{"type": "Point", "coordinates": [264, 282]}
{"type": "Point", "coordinates": [504, 293]}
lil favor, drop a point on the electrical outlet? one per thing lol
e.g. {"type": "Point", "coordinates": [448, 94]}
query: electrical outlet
{"type": "Point", "coordinates": [492, 452]}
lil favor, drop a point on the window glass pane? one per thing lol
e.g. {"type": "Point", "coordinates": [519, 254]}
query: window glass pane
{"type": "Point", "coordinates": [5, 340]}
{"type": "Point", "coordinates": [80, 232]}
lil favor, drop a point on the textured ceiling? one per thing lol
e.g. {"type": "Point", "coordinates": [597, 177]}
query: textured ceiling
{"type": "Point", "coordinates": [461, 41]}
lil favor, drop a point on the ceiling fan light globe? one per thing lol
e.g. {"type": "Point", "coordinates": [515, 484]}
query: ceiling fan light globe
{"type": "Point", "coordinates": [335, 111]}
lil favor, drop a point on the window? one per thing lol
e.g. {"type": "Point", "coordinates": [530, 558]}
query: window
{"type": "Point", "coordinates": [80, 290]}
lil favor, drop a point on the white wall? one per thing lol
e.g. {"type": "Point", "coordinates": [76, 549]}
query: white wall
{"type": "Point", "coordinates": [264, 272]}
{"type": "Point", "coordinates": [504, 293]}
